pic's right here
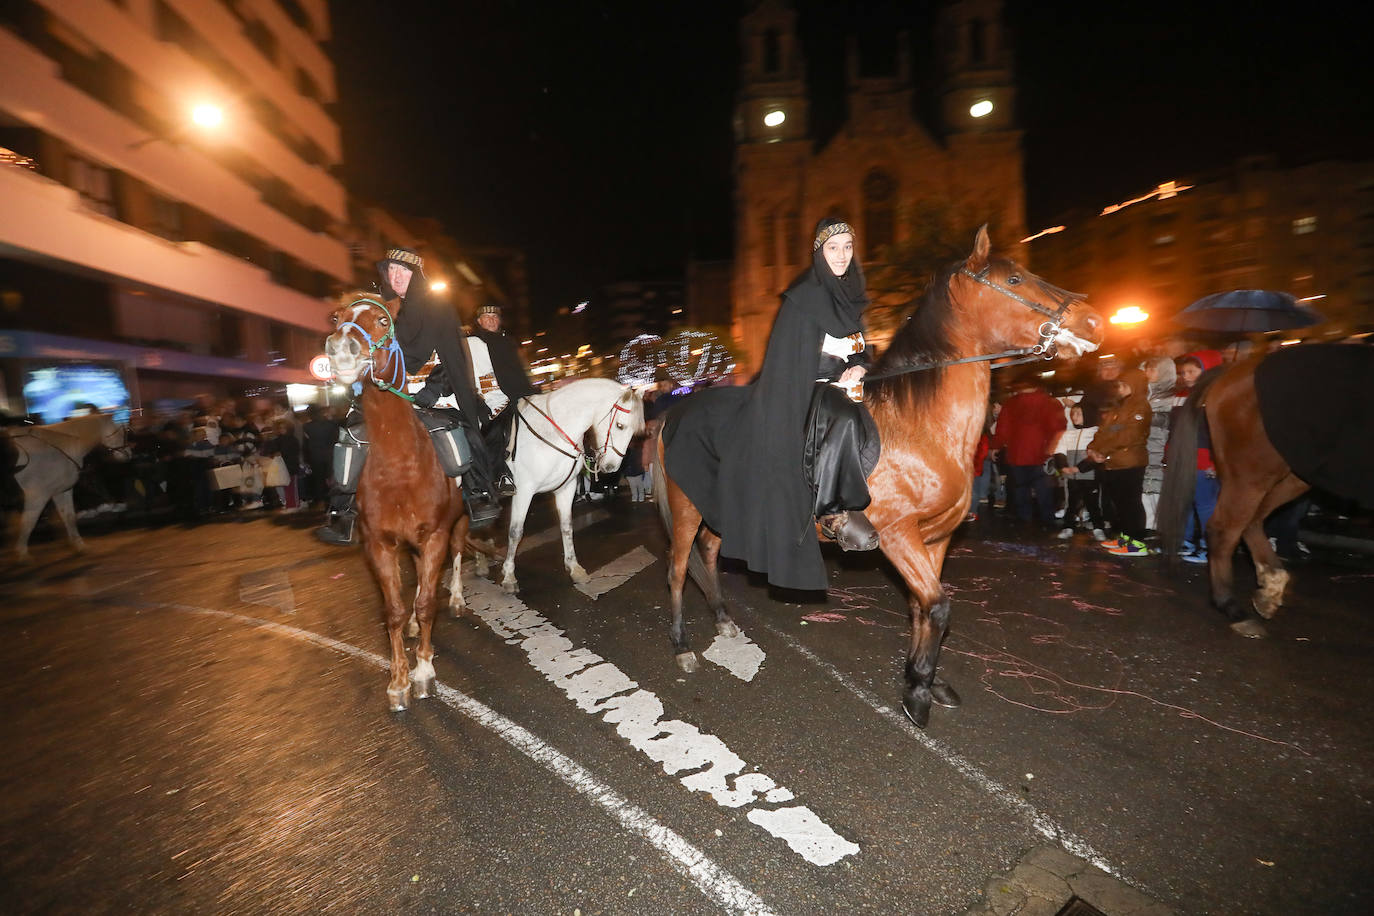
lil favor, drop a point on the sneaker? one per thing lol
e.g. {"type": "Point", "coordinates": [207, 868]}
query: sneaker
{"type": "Point", "coordinates": [1099, 535]}
{"type": "Point", "coordinates": [1130, 547]}
{"type": "Point", "coordinates": [1066, 534]}
{"type": "Point", "coordinates": [1113, 544]}
{"type": "Point", "coordinates": [1198, 557]}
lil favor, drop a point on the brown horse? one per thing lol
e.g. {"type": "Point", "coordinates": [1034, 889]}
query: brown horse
{"type": "Point", "coordinates": [1255, 478]}
{"type": "Point", "coordinates": [928, 395]}
{"type": "Point", "coordinates": [404, 498]}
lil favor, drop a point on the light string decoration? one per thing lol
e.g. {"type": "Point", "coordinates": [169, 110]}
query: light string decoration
{"type": "Point", "coordinates": [686, 357]}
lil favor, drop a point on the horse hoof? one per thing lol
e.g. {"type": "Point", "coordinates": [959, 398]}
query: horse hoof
{"type": "Point", "coordinates": [688, 663]}
{"type": "Point", "coordinates": [423, 687]}
{"type": "Point", "coordinates": [480, 566]}
{"type": "Point", "coordinates": [458, 610]}
{"type": "Point", "coordinates": [917, 710]}
{"type": "Point", "coordinates": [1252, 629]}
{"type": "Point", "coordinates": [727, 629]}
{"type": "Point", "coordinates": [398, 700]}
{"type": "Point", "coordinates": [579, 575]}
{"type": "Point", "coordinates": [510, 586]}
{"type": "Point", "coordinates": [941, 694]}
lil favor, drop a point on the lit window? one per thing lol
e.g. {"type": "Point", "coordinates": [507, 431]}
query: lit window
{"type": "Point", "coordinates": [1304, 224]}
{"type": "Point", "coordinates": [1164, 239]}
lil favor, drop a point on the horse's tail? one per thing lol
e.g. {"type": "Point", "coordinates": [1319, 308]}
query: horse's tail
{"type": "Point", "coordinates": [1180, 472]}
{"type": "Point", "coordinates": [696, 566]}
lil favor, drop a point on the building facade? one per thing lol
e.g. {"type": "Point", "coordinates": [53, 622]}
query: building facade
{"type": "Point", "coordinates": [1307, 230]}
{"type": "Point", "coordinates": [167, 178]}
{"type": "Point", "coordinates": [883, 169]}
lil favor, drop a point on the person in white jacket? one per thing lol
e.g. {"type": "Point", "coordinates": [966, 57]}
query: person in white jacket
{"type": "Point", "coordinates": [1071, 456]}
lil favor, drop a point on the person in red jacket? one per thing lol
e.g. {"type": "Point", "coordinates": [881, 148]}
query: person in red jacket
{"type": "Point", "coordinates": [1028, 428]}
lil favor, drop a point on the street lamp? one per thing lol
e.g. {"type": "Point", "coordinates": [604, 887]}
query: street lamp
{"type": "Point", "coordinates": [207, 115]}
{"type": "Point", "coordinates": [1129, 314]}
{"type": "Point", "coordinates": [981, 108]}
{"type": "Point", "coordinates": [438, 286]}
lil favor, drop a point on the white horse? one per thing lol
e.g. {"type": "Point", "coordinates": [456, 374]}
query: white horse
{"type": "Point", "coordinates": [545, 453]}
{"type": "Point", "coordinates": [49, 463]}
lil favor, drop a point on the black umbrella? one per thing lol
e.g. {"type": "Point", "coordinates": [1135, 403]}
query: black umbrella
{"type": "Point", "coordinates": [1247, 311]}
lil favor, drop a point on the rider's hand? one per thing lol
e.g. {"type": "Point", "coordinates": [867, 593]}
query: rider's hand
{"type": "Point", "coordinates": [853, 374]}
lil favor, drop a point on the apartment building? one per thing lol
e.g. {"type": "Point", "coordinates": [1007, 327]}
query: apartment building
{"type": "Point", "coordinates": [169, 206]}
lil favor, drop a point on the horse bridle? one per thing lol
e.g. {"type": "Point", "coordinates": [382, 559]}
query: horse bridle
{"type": "Point", "coordinates": [1048, 330]}
{"type": "Point", "coordinates": [387, 341]}
{"type": "Point", "coordinates": [577, 454]}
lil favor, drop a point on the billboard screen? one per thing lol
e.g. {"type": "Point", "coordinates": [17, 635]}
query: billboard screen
{"type": "Point", "coordinates": [53, 392]}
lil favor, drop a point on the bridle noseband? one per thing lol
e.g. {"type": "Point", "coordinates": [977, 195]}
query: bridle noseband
{"type": "Point", "coordinates": [1050, 329]}
{"type": "Point", "coordinates": [387, 341]}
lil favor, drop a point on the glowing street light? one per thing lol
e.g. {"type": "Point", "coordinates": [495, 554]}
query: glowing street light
{"type": "Point", "coordinates": [1129, 314]}
{"type": "Point", "coordinates": [774, 117]}
{"type": "Point", "coordinates": [438, 286]}
{"type": "Point", "coordinates": [981, 108]}
{"type": "Point", "coordinates": [207, 115]}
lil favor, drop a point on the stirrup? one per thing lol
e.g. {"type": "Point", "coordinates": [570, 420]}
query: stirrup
{"type": "Point", "coordinates": [482, 513]}
{"type": "Point", "coordinates": [851, 530]}
{"type": "Point", "coordinates": [339, 530]}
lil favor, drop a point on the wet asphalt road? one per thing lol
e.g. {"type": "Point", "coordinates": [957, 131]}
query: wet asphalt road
{"type": "Point", "coordinates": [196, 723]}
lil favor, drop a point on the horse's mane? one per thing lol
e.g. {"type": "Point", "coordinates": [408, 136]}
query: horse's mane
{"type": "Point", "coordinates": [923, 337]}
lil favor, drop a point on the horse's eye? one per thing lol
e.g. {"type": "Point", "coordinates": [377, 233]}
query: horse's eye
{"type": "Point", "coordinates": [1014, 280]}
{"type": "Point", "coordinates": [620, 426]}
{"type": "Point", "coordinates": [383, 322]}
{"type": "Point", "coordinates": [334, 320]}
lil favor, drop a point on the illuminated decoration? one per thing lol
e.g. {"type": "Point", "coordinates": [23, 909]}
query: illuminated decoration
{"type": "Point", "coordinates": [581, 307]}
{"type": "Point", "coordinates": [981, 108]}
{"type": "Point", "coordinates": [774, 117]}
{"type": "Point", "coordinates": [1130, 314]}
{"type": "Point", "coordinates": [10, 157]}
{"type": "Point", "coordinates": [1043, 232]}
{"type": "Point", "coordinates": [1313, 298]}
{"type": "Point", "coordinates": [320, 368]}
{"type": "Point", "coordinates": [207, 115]}
{"type": "Point", "coordinates": [1165, 190]}
{"type": "Point", "coordinates": [688, 356]}
{"type": "Point", "coordinates": [438, 286]}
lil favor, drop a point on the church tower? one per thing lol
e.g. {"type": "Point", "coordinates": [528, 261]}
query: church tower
{"type": "Point", "coordinates": [772, 146]}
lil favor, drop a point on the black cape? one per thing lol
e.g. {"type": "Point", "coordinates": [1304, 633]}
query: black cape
{"type": "Point", "coordinates": [738, 453]}
{"type": "Point", "coordinates": [1315, 403]}
{"type": "Point", "coordinates": [506, 363]}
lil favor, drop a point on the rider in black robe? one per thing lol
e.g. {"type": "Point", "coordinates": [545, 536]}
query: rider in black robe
{"type": "Point", "coordinates": [511, 377]}
{"type": "Point", "coordinates": [740, 454]}
{"type": "Point", "coordinates": [425, 325]}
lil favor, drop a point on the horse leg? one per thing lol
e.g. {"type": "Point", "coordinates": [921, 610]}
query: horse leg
{"type": "Point", "coordinates": [429, 569]}
{"type": "Point", "coordinates": [930, 609]}
{"type": "Point", "coordinates": [458, 606]}
{"type": "Point", "coordinates": [563, 499]}
{"type": "Point", "coordinates": [686, 522]}
{"type": "Point", "coordinates": [1235, 511]}
{"type": "Point", "coordinates": [519, 508]}
{"type": "Point", "coordinates": [1270, 573]}
{"type": "Point", "coordinates": [382, 557]}
{"type": "Point", "coordinates": [715, 599]}
{"type": "Point", "coordinates": [67, 512]}
{"type": "Point", "coordinates": [33, 508]}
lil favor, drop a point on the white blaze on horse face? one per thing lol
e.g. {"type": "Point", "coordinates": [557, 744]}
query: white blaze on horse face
{"type": "Point", "coordinates": [1067, 340]}
{"type": "Point", "coordinates": [344, 356]}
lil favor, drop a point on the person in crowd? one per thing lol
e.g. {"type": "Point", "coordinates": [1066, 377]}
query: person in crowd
{"type": "Point", "coordinates": [740, 454]}
{"type": "Point", "coordinates": [283, 444]}
{"type": "Point", "coordinates": [1120, 448]}
{"type": "Point", "coordinates": [632, 468]}
{"type": "Point", "coordinates": [502, 380]}
{"type": "Point", "coordinates": [1080, 484]}
{"type": "Point", "coordinates": [424, 325]}
{"type": "Point", "coordinates": [1206, 487]}
{"type": "Point", "coordinates": [1161, 379]}
{"type": "Point", "coordinates": [319, 433]}
{"type": "Point", "coordinates": [1102, 390]}
{"type": "Point", "coordinates": [984, 470]}
{"type": "Point", "coordinates": [1027, 430]}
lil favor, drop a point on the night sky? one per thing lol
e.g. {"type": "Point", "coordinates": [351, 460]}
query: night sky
{"type": "Point", "coordinates": [597, 135]}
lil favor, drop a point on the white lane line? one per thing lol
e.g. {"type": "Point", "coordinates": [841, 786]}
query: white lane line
{"type": "Point", "coordinates": [739, 655]}
{"type": "Point", "coordinates": [549, 535]}
{"type": "Point", "coordinates": [687, 860]}
{"type": "Point", "coordinates": [616, 573]}
{"type": "Point", "coordinates": [599, 687]}
{"type": "Point", "coordinates": [1041, 823]}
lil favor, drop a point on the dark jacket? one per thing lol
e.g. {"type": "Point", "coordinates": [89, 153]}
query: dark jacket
{"type": "Point", "coordinates": [506, 363]}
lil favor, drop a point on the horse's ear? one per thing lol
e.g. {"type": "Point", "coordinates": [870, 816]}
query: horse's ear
{"type": "Point", "coordinates": [978, 260]}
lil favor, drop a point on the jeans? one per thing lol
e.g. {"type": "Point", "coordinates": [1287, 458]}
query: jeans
{"type": "Point", "coordinates": [1204, 504]}
{"type": "Point", "coordinates": [1030, 485]}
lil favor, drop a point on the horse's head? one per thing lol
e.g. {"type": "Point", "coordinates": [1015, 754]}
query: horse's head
{"type": "Point", "coordinates": [362, 326]}
{"type": "Point", "coordinates": [114, 437]}
{"type": "Point", "coordinates": [612, 434]}
{"type": "Point", "coordinates": [1017, 309]}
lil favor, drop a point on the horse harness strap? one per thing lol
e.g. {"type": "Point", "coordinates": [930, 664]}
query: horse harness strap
{"type": "Point", "coordinates": [576, 455]}
{"type": "Point", "coordinates": [387, 341]}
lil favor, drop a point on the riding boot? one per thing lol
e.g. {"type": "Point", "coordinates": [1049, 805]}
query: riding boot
{"type": "Point", "coordinates": [850, 529]}
{"type": "Point", "coordinates": [343, 515]}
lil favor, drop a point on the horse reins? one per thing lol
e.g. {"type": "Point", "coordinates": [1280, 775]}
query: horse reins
{"type": "Point", "coordinates": [577, 452]}
{"type": "Point", "coordinates": [393, 347]}
{"type": "Point", "coordinates": [1042, 350]}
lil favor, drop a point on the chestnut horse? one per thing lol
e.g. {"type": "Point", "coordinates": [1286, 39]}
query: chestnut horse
{"type": "Point", "coordinates": [404, 498]}
{"type": "Point", "coordinates": [928, 396]}
{"type": "Point", "coordinates": [1255, 478]}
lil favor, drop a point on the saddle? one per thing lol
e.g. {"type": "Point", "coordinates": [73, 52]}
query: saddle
{"type": "Point", "coordinates": [840, 451]}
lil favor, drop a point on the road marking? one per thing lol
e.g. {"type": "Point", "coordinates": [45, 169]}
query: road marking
{"type": "Point", "coordinates": [616, 573]}
{"type": "Point", "coordinates": [737, 654]}
{"type": "Point", "coordinates": [599, 687]}
{"type": "Point", "coordinates": [686, 859]}
{"type": "Point", "coordinates": [1042, 824]}
{"type": "Point", "coordinates": [549, 535]}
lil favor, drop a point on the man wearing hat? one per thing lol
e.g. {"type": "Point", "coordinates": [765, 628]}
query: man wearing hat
{"type": "Point", "coordinates": [424, 326]}
{"type": "Point", "coordinates": [501, 378]}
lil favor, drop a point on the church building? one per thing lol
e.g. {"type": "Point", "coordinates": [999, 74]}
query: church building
{"type": "Point", "coordinates": [894, 155]}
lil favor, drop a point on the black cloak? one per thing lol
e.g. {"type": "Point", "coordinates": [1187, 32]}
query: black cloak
{"type": "Point", "coordinates": [738, 453]}
{"type": "Point", "coordinates": [506, 364]}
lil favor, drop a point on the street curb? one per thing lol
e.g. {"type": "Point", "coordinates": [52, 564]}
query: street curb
{"type": "Point", "coordinates": [1047, 879]}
